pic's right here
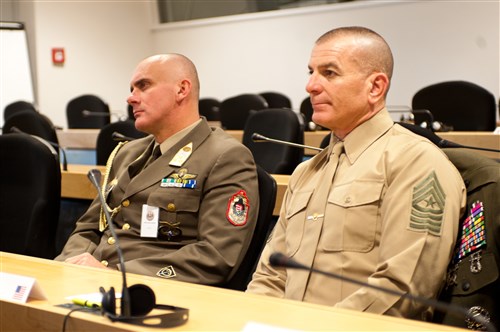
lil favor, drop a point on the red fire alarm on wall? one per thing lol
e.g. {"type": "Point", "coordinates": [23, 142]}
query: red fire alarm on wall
{"type": "Point", "coordinates": [58, 56]}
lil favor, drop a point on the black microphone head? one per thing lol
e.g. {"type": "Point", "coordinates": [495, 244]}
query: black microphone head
{"type": "Point", "coordinates": [95, 177]}
{"type": "Point", "coordinates": [256, 137]}
{"type": "Point", "coordinates": [278, 259]}
{"type": "Point", "coordinates": [14, 129]}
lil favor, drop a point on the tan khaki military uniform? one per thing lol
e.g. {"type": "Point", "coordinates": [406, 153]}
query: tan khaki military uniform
{"type": "Point", "coordinates": [389, 218]}
{"type": "Point", "coordinates": [199, 198]}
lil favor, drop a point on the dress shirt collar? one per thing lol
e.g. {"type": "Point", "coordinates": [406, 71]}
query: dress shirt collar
{"type": "Point", "coordinates": [174, 139]}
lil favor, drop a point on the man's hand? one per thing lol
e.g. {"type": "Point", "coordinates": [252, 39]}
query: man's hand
{"type": "Point", "coordinates": [85, 259]}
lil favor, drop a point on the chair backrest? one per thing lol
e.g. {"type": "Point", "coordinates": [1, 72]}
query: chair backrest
{"type": "Point", "coordinates": [464, 106]}
{"type": "Point", "coordinates": [105, 142]}
{"type": "Point", "coordinates": [17, 106]}
{"type": "Point", "coordinates": [276, 99]}
{"type": "Point", "coordinates": [87, 111]}
{"type": "Point", "coordinates": [209, 108]}
{"type": "Point", "coordinates": [267, 197]}
{"type": "Point", "coordinates": [30, 182]}
{"type": "Point", "coordinates": [33, 123]}
{"type": "Point", "coordinates": [279, 123]}
{"type": "Point", "coordinates": [234, 111]}
{"type": "Point", "coordinates": [307, 111]}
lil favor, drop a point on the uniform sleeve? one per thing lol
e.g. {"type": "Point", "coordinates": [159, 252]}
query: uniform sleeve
{"type": "Point", "coordinates": [222, 241]}
{"type": "Point", "coordinates": [420, 210]}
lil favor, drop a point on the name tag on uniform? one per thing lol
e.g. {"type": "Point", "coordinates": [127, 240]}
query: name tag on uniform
{"type": "Point", "coordinates": [149, 221]}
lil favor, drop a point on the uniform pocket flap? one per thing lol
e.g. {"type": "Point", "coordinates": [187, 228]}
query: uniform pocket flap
{"type": "Point", "coordinates": [356, 193]}
{"type": "Point", "coordinates": [187, 201]}
{"type": "Point", "coordinates": [469, 282]}
{"type": "Point", "coordinates": [298, 202]}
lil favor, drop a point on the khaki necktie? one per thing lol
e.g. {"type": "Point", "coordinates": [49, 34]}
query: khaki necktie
{"type": "Point", "coordinates": [314, 220]}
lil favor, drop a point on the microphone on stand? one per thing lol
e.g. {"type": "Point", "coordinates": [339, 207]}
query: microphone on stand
{"type": "Point", "coordinates": [278, 259]}
{"type": "Point", "coordinates": [256, 137]}
{"type": "Point", "coordinates": [87, 113]}
{"type": "Point", "coordinates": [138, 300]}
{"type": "Point", "coordinates": [56, 146]}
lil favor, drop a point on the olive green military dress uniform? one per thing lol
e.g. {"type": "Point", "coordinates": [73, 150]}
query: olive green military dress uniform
{"type": "Point", "coordinates": [474, 273]}
{"type": "Point", "coordinates": [198, 186]}
{"type": "Point", "coordinates": [388, 218]}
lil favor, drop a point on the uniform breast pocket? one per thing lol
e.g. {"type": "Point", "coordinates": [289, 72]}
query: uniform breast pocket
{"type": "Point", "coordinates": [296, 217]}
{"type": "Point", "coordinates": [176, 204]}
{"type": "Point", "coordinates": [353, 214]}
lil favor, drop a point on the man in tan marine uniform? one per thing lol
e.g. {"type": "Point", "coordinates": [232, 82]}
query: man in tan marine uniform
{"type": "Point", "coordinates": [174, 214]}
{"type": "Point", "coordinates": [380, 205]}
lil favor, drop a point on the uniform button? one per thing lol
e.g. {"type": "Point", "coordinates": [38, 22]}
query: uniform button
{"type": "Point", "coordinates": [126, 203]}
{"type": "Point", "coordinates": [104, 262]}
{"type": "Point", "coordinates": [126, 226]}
{"type": "Point", "coordinates": [348, 199]}
{"type": "Point", "coordinates": [171, 207]}
{"type": "Point", "coordinates": [111, 240]}
{"type": "Point", "coordinates": [465, 286]}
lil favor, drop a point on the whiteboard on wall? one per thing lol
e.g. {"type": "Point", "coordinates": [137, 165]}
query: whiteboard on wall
{"type": "Point", "coordinates": [16, 82]}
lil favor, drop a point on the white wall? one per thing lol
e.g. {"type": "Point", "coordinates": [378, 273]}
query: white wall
{"type": "Point", "coordinates": [103, 42]}
{"type": "Point", "coordinates": [432, 41]}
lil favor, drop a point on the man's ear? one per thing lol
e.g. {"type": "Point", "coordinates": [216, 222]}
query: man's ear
{"type": "Point", "coordinates": [184, 89]}
{"type": "Point", "coordinates": [379, 84]}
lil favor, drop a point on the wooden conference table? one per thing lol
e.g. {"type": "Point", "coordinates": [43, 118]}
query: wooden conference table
{"type": "Point", "coordinates": [210, 308]}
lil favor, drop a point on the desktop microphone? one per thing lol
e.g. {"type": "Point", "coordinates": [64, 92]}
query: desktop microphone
{"type": "Point", "coordinates": [256, 137]}
{"type": "Point", "coordinates": [442, 143]}
{"type": "Point", "coordinates": [87, 113]}
{"type": "Point", "coordinates": [116, 136]}
{"type": "Point", "coordinates": [14, 129]}
{"type": "Point", "coordinates": [278, 259]}
{"type": "Point", "coordinates": [138, 300]}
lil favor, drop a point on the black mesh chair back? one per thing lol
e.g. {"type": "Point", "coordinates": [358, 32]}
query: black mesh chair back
{"type": "Point", "coordinates": [30, 182]}
{"type": "Point", "coordinates": [87, 112]}
{"type": "Point", "coordinates": [462, 105]}
{"type": "Point", "coordinates": [267, 198]}
{"type": "Point", "coordinates": [209, 108]}
{"type": "Point", "coordinates": [32, 123]}
{"type": "Point", "coordinates": [106, 142]}
{"type": "Point", "coordinates": [276, 99]}
{"type": "Point", "coordinates": [307, 111]}
{"type": "Point", "coordinates": [17, 106]}
{"type": "Point", "coordinates": [279, 123]}
{"type": "Point", "coordinates": [234, 111]}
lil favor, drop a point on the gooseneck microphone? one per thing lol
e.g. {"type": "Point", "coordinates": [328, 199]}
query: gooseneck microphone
{"type": "Point", "coordinates": [278, 259]}
{"type": "Point", "coordinates": [256, 137]}
{"type": "Point", "coordinates": [118, 137]}
{"type": "Point", "coordinates": [95, 177]}
{"type": "Point", "coordinates": [14, 129]}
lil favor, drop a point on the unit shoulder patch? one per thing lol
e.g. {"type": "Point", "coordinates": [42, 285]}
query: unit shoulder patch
{"type": "Point", "coordinates": [237, 208]}
{"type": "Point", "coordinates": [427, 210]}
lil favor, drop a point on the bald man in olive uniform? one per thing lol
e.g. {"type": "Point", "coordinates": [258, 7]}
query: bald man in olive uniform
{"type": "Point", "coordinates": [380, 205]}
{"type": "Point", "coordinates": [174, 213]}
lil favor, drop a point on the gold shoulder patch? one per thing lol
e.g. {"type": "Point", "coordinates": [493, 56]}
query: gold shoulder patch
{"type": "Point", "coordinates": [427, 208]}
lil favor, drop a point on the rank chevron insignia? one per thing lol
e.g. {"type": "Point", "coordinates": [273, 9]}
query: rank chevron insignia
{"type": "Point", "coordinates": [427, 208]}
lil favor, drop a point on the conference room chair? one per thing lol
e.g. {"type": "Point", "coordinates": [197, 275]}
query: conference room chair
{"type": "Point", "coordinates": [265, 222]}
{"type": "Point", "coordinates": [33, 123]}
{"type": "Point", "coordinates": [106, 141]}
{"type": "Point", "coordinates": [276, 99]}
{"type": "Point", "coordinates": [235, 110]}
{"type": "Point", "coordinates": [209, 108]}
{"type": "Point", "coordinates": [30, 181]}
{"type": "Point", "coordinates": [130, 112]}
{"type": "Point", "coordinates": [281, 124]}
{"type": "Point", "coordinates": [307, 111]}
{"type": "Point", "coordinates": [87, 112]}
{"type": "Point", "coordinates": [17, 106]}
{"type": "Point", "coordinates": [461, 105]}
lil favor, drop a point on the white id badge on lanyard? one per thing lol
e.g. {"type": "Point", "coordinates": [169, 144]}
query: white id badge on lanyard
{"type": "Point", "coordinates": [149, 221]}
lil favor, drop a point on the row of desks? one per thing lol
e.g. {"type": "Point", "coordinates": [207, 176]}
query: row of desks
{"type": "Point", "coordinates": [210, 308]}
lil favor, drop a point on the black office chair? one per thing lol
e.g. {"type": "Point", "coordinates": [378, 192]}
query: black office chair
{"type": "Point", "coordinates": [307, 111]}
{"type": "Point", "coordinates": [267, 198]}
{"type": "Point", "coordinates": [234, 111]}
{"type": "Point", "coordinates": [276, 99]}
{"type": "Point", "coordinates": [32, 123]}
{"type": "Point", "coordinates": [17, 106]}
{"type": "Point", "coordinates": [106, 142]}
{"type": "Point", "coordinates": [209, 108]}
{"type": "Point", "coordinates": [282, 124]}
{"type": "Point", "coordinates": [30, 181]}
{"type": "Point", "coordinates": [87, 111]}
{"type": "Point", "coordinates": [464, 106]}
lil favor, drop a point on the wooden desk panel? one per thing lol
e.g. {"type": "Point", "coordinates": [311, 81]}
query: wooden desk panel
{"type": "Point", "coordinates": [211, 308]}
